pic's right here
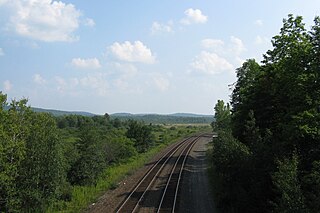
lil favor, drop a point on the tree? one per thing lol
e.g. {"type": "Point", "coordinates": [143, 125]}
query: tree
{"type": "Point", "coordinates": [311, 187]}
{"type": "Point", "coordinates": [91, 161]}
{"type": "Point", "coordinates": [14, 129]}
{"type": "Point", "coordinates": [242, 95]}
{"type": "Point", "coordinates": [230, 158]}
{"type": "Point", "coordinates": [222, 116]}
{"type": "Point", "coordinates": [287, 185]}
{"type": "Point", "coordinates": [141, 135]}
{"type": "Point", "coordinates": [276, 113]}
{"type": "Point", "coordinates": [42, 173]}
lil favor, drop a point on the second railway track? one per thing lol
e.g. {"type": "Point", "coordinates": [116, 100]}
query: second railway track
{"type": "Point", "coordinates": [164, 199]}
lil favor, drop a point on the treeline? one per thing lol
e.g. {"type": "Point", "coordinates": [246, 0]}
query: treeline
{"type": "Point", "coordinates": [166, 119]}
{"type": "Point", "coordinates": [43, 157]}
{"type": "Point", "coordinates": [267, 155]}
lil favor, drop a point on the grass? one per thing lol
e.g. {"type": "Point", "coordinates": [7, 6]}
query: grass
{"type": "Point", "coordinates": [83, 196]}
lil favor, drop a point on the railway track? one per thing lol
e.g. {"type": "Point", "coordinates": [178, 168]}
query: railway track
{"type": "Point", "coordinates": [174, 159]}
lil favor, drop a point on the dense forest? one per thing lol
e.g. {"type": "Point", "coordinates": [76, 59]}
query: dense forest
{"type": "Point", "coordinates": [178, 118]}
{"type": "Point", "coordinates": [267, 155]}
{"type": "Point", "coordinates": [45, 160]}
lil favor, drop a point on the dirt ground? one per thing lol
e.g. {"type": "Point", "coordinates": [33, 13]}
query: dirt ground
{"type": "Point", "coordinates": [195, 194]}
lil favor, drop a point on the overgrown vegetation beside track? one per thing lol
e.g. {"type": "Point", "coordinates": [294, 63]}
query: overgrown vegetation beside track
{"type": "Point", "coordinates": [267, 154]}
{"type": "Point", "coordinates": [52, 164]}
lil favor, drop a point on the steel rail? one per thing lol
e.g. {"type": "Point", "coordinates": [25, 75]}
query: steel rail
{"type": "Point", "coordinates": [179, 177]}
{"type": "Point", "coordinates": [155, 176]}
{"type": "Point", "coordinates": [180, 174]}
{"type": "Point", "coordinates": [168, 154]}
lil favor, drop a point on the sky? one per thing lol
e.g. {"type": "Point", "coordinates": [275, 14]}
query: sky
{"type": "Point", "coordinates": [134, 56]}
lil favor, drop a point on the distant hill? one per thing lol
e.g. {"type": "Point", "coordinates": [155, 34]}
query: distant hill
{"type": "Point", "coordinates": [190, 115]}
{"type": "Point", "coordinates": [176, 118]}
{"type": "Point", "coordinates": [61, 113]}
{"type": "Point", "coordinates": [55, 112]}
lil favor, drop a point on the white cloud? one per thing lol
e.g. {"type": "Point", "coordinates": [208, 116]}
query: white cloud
{"type": "Point", "coordinates": [61, 84]}
{"type": "Point", "coordinates": [210, 63]}
{"type": "Point", "coordinates": [194, 16]}
{"type": "Point", "coordinates": [44, 20]}
{"type": "Point", "coordinates": [93, 84]}
{"type": "Point", "coordinates": [7, 86]}
{"type": "Point", "coordinates": [132, 52]}
{"type": "Point", "coordinates": [232, 48]}
{"type": "Point", "coordinates": [161, 82]}
{"type": "Point", "coordinates": [258, 23]}
{"type": "Point", "coordinates": [89, 63]}
{"type": "Point", "coordinates": [127, 70]}
{"type": "Point", "coordinates": [237, 45]}
{"type": "Point", "coordinates": [161, 28]}
{"type": "Point", "coordinates": [212, 43]}
{"type": "Point", "coordinates": [89, 22]}
{"type": "Point", "coordinates": [1, 52]}
{"type": "Point", "coordinates": [37, 78]}
{"type": "Point", "coordinates": [261, 40]}
{"type": "Point", "coordinates": [121, 84]}
{"type": "Point", "coordinates": [97, 82]}
{"type": "Point", "coordinates": [2, 2]}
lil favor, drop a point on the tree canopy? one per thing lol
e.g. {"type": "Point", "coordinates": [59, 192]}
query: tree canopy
{"type": "Point", "coordinates": [275, 120]}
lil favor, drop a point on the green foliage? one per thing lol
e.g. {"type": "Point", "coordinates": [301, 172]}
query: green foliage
{"type": "Point", "coordinates": [118, 147]}
{"type": "Point", "coordinates": [166, 119]}
{"type": "Point", "coordinates": [13, 133]}
{"type": "Point", "coordinates": [31, 164]}
{"type": "Point", "coordinates": [222, 116]}
{"type": "Point", "coordinates": [42, 173]}
{"type": "Point", "coordinates": [91, 159]}
{"type": "Point", "coordinates": [230, 158]}
{"type": "Point", "coordinates": [242, 95]}
{"type": "Point", "coordinates": [288, 187]}
{"type": "Point", "coordinates": [48, 164]}
{"type": "Point", "coordinates": [276, 115]}
{"type": "Point", "coordinates": [140, 134]}
{"type": "Point", "coordinates": [311, 187]}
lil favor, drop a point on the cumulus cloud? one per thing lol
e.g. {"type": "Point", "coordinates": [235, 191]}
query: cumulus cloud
{"type": "Point", "coordinates": [37, 78]}
{"type": "Point", "coordinates": [2, 2]}
{"type": "Point", "coordinates": [127, 70]}
{"type": "Point", "coordinates": [89, 22]}
{"type": "Point", "coordinates": [7, 85]}
{"type": "Point", "coordinates": [93, 84]}
{"type": "Point", "coordinates": [44, 20]}
{"type": "Point", "coordinates": [258, 22]}
{"type": "Point", "coordinates": [210, 63]}
{"type": "Point", "coordinates": [132, 52]}
{"type": "Point", "coordinates": [194, 16]}
{"type": "Point", "coordinates": [1, 52]}
{"type": "Point", "coordinates": [212, 43]}
{"type": "Point", "coordinates": [161, 82]}
{"type": "Point", "coordinates": [237, 45]}
{"type": "Point", "coordinates": [157, 28]}
{"type": "Point", "coordinates": [261, 40]}
{"type": "Point", "coordinates": [232, 48]}
{"type": "Point", "coordinates": [97, 82]}
{"type": "Point", "coordinates": [61, 84]}
{"type": "Point", "coordinates": [89, 63]}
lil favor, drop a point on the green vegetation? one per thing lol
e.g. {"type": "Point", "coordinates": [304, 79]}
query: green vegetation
{"type": "Point", "coordinates": [267, 155]}
{"type": "Point", "coordinates": [179, 118]}
{"type": "Point", "coordinates": [51, 164]}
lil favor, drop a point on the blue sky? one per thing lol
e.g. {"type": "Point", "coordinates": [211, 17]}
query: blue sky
{"type": "Point", "coordinates": [134, 56]}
